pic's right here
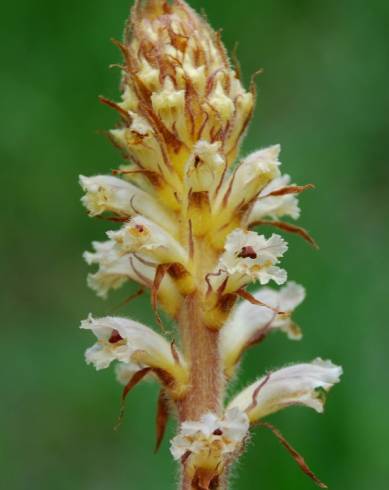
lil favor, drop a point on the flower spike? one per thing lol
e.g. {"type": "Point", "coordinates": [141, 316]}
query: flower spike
{"type": "Point", "coordinates": [183, 207]}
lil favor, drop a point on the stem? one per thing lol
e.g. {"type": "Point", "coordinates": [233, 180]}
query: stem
{"type": "Point", "coordinates": [201, 347]}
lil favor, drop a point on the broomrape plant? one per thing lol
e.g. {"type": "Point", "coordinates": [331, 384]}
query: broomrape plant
{"type": "Point", "coordinates": [187, 209]}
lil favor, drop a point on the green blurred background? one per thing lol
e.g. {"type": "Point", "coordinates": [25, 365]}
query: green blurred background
{"type": "Point", "coordinates": [323, 95]}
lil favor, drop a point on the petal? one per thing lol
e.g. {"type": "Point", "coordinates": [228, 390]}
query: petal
{"type": "Point", "coordinates": [235, 425]}
{"type": "Point", "coordinates": [115, 269]}
{"type": "Point", "coordinates": [275, 206]}
{"type": "Point", "coordinates": [125, 371]}
{"type": "Point", "coordinates": [107, 193]}
{"type": "Point", "coordinates": [211, 437]}
{"type": "Point", "coordinates": [249, 257]}
{"type": "Point", "coordinates": [143, 235]}
{"type": "Point", "coordinates": [248, 321]}
{"type": "Point", "coordinates": [249, 178]}
{"type": "Point", "coordinates": [128, 341]}
{"type": "Point", "coordinates": [204, 167]}
{"type": "Point", "coordinates": [300, 384]}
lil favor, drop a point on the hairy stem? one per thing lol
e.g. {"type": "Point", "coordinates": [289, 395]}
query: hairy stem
{"type": "Point", "coordinates": [200, 345]}
{"type": "Point", "coordinates": [206, 390]}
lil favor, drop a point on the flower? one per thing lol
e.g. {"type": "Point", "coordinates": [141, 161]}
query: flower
{"type": "Point", "coordinates": [144, 236]}
{"type": "Point", "coordinates": [211, 438]}
{"type": "Point", "coordinates": [250, 323]}
{"type": "Point", "coordinates": [275, 207]}
{"type": "Point", "coordinates": [204, 167]}
{"type": "Point", "coordinates": [249, 257]}
{"type": "Point", "coordinates": [115, 269]}
{"type": "Point", "coordinates": [106, 193]}
{"type": "Point", "coordinates": [249, 178]}
{"type": "Point", "coordinates": [299, 384]}
{"type": "Point", "coordinates": [135, 347]}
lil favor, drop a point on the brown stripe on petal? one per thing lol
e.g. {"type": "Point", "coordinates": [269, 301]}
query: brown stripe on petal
{"type": "Point", "coordinates": [212, 274]}
{"type": "Point", "coordinates": [256, 393]}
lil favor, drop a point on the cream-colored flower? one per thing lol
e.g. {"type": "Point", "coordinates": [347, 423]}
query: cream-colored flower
{"type": "Point", "coordinates": [251, 257]}
{"type": "Point", "coordinates": [169, 105]}
{"type": "Point", "coordinates": [248, 179]}
{"type": "Point", "coordinates": [275, 206]}
{"type": "Point", "coordinates": [106, 193]}
{"type": "Point", "coordinates": [300, 384]}
{"type": "Point", "coordinates": [204, 167]}
{"type": "Point", "coordinates": [141, 142]}
{"type": "Point", "coordinates": [210, 438]}
{"type": "Point", "coordinates": [143, 236]}
{"type": "Point", "coordinates": [130, 342]}
{"type": "Point", "coordinates": [115, 269]}
{"type": "Point", "coordinates": [249, 323]}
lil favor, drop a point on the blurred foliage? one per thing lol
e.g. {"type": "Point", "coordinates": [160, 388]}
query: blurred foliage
{"type": "Point", "coordinates": [324, 96]}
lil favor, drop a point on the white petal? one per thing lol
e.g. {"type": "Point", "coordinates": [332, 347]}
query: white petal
{"type": "Point", "coordinates": [142, 235]}
{"type": "Point", "coordinates": [115, 269]}
{"type": "Point", "coordinates": [204, 167]}
{"type": "Point", "coordinates": [249, 178]}
{"type": "Point", "coordinates": [130, 337]}
{"type": "Point", "coordinates": [275, 206]}
{"type": "Point", "coordinates": [235, 425]}
{"type": "Point", "coordinates": [300, 384]}
{"type": "Point", "coordinates": [211, 436]}
{"type": "Point", "coordinates": [108, 193]}
{"type": "Point", "coordinates": [248, 320]}
{"type": "Point", "coordinates": [249, 257]}
{"type": "Point", "coordinates": [125, 371]}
